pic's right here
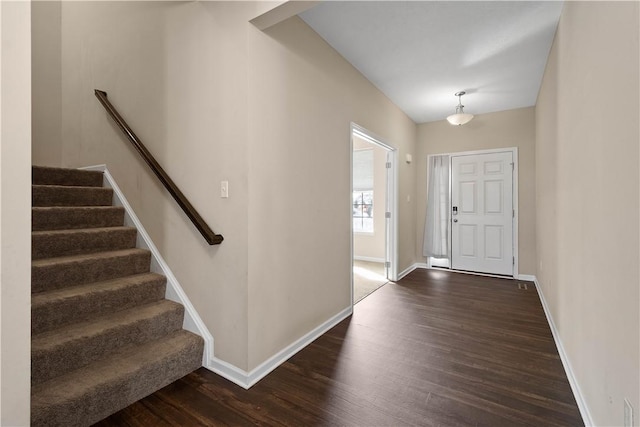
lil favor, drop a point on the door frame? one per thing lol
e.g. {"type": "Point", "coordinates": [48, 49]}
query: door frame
{"type": "Point", "coordinates": [514, 151]}
{"type": "Point", "coordinates": [391, 228]}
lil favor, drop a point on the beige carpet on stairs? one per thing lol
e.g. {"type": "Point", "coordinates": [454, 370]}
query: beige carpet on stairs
{"type": "Point", "coordinates": [367, 277]}
{"type": "Point", "coordinates": [102, 334]}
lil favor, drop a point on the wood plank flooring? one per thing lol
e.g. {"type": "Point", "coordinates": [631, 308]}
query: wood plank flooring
{"type": "Point", "coordinates": [435, 349]}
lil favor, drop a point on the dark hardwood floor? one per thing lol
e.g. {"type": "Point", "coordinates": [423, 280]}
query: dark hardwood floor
{"type": "Point", "coordinates": [435, 349]}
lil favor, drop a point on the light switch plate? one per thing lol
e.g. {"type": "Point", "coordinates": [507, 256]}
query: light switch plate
{"type": "Point", "coordinates": [224, 189]}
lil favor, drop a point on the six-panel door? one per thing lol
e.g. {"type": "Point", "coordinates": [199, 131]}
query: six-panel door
{"type": "Point", "coordinates": [482, 213]}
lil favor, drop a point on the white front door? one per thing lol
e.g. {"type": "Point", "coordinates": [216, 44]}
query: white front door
{"type": "Point", "coordinates": [482, 213]}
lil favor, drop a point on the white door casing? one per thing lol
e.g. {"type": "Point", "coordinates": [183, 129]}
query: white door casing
{"type": "Point", "coordinates": [391, 223]}
{"type": "Point", "coordinates": [482, 213]}
{"type": "Point", "coordinates": [388, 246]}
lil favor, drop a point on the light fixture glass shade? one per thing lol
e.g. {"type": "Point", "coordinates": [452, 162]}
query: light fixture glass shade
{"type": "Point", "coordinates": [459, 119]}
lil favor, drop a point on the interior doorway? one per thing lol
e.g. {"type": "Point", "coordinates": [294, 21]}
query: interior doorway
{"type": "Point", "coordinates": [372, 207]}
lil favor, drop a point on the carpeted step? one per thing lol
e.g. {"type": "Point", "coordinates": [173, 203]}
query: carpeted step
{"type": "Point", "coordinates": [55, 273]}
{"type": "Point", "coordinates": [50, 310]}
{"type": "Point", "coordinates": [91, 393]}
{"type": "Point", "coordinates": [62, 350]}
{"type": "Point", "coordinates": [43, 175]}
{"type": "Point", "coordinates": [57, 243]}
{"type": "Point", "coordinates": [59, 195]}
{"type": "Point", "coordinates": [74, 217]}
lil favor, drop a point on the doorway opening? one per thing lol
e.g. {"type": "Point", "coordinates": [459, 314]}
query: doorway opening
{"type": "Point", "coordinates": [472, 213]}
{"type": "Point", "coordinates": [373, 212]}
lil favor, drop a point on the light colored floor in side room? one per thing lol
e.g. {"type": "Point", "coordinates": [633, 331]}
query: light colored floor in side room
{"type": "Point", "coordinates": [367, 277]}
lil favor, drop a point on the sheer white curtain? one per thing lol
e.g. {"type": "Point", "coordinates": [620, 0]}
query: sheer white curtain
{"type": "Point", "coordinates": [436, 229]}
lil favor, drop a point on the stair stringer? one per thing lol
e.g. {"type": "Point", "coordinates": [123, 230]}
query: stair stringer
{"type": "Point", "coordinates": [174, 292]}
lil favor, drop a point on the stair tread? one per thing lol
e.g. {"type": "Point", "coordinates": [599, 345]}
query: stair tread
{"type": "Point", "coordinates": [66, 176]}
{"type": "Point", "coordinates": [93, 230]}
{"type": "Point", "coordinates": [71, 270]}
{"type": "Point", "coordinates": [81, 257]}
{"type": "Point", "coordinates": [63, 195]}
{"type": "Point", "coordinates": [96, 326]}
{"type": "Point", "coordinates": [45, 218]}
{"type": "Point", "coordinates": [72, 187]}
{"type": "Point", "coordinates": [54, 308]}
{"type": "Point", "coordinates": [76, 208]}
{"type": "Point", "coordinates": [59, 243]}
{"type": "Point", "coordinates": [118, 366]}
{"type": "Point", "coordinates": [79, 290]}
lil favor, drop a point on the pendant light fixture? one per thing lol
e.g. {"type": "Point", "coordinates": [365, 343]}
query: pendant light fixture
{"type": "Point", "coordinates": [460, 117]}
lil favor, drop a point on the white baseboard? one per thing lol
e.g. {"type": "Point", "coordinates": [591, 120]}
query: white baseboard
{"type": "Point", "coordinates": [526, 277]}
{"type": "Point", "coordinates": [368, 259]}
{"type": "Point", "coordinates": [174, 292]}
{"type": "Point", "coordinates": [247, 379]}
{"type": "Point", "coordinates": [575, 388]}
{"type": "Point", "coordinates": [407, 270]}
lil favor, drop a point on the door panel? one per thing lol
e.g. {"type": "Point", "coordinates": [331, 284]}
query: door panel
{"type": "Point", "coordinates": [468, 240]}
{"type": "Point", "coordinates": [493, 197]}
{"type": "Point", "coordinates": [493, 238]}
{"type": "Point", "coordinates": [468, 197]}
{"type": "Point", "coordinates": [482, 201]}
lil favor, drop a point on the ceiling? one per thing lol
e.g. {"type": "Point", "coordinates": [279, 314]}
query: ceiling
{"type": "Point", "coordinates": [419, 53]}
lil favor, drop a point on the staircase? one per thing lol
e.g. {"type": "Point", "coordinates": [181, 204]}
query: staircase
{"type": "Point", "coordinates": [102, 334]}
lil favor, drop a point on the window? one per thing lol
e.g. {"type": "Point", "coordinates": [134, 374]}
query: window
{"type": "Point", "coordinates": [363, 191]}
{"type": "Point", "coordinates": [363, 211]}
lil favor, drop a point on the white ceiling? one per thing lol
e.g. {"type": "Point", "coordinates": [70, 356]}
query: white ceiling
{"type": "Point", "coordinates": [419, 53]}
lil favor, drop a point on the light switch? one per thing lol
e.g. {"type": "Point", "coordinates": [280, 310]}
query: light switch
{"type": "Point", "coordinates": [224, 189]}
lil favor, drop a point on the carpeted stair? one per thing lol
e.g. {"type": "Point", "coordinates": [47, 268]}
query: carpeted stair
{"type": "Point", "coordinates": [102, 334]}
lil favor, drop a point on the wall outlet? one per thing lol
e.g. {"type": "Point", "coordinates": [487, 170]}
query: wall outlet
{"type": "Point", "coordinates": [224, 189]}
{"type": "Point", "coordinates": [628, 414]}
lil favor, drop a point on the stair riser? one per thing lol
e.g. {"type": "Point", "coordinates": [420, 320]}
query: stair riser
{"type": "Point", "coordinates": [106, 398]}
{"type": "Point", "coordinates": [72, 355]}
{"type": "Point", "coordinates": [70, 196]}
{"type": "Point", "coordinates": [87, 271]}
{"type": "Point", "coordinates": [53, 314]}
{"type": "Point", "coordinates": [66, 218]}
{"type": "Point", "coordinates": [58, 244]}
{"type": "Point", "coordinates": [57, 176]}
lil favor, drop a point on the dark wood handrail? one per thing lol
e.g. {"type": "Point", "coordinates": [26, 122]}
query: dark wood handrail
{"type": "Point", "coordinates": [208, 234]}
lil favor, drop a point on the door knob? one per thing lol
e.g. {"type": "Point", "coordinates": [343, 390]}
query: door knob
{"type": "Point", "coordinates": [455, 220]}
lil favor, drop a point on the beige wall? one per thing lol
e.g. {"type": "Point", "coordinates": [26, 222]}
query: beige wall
{"type": "Point", "coordinates": [303, 97]}
{"type": "Point", "coordinates": [587, 200]}
{"type": "Point", "coordinates": [177, 72]}
{"type": "Point", "coordinates": [373, 245]}
{"type": "Point", "coordinates": [214, 99]}
{"type": "Point", "coordinates": [15, 213]}
{"type": "Point", "coordinates": [513, 128]}
{"type": "Point", "coordinates": [46, 83]}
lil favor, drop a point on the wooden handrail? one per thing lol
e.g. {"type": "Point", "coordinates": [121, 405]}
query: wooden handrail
{"type": "Point", "coordinates": [208, 234]}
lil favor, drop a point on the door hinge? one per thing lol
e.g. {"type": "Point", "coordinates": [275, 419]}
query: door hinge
{"type": "Point", "coordinates": [513, 213]}
{"type": "Point", "coordinates": [388, 165]}
{"type": "Point", "coordinates": [387, 264]}
{"type": "Point", "coordinates": [387, 214]}
{"type": "Point", "coordinates": [513, 167]}
{"type": "Point", "coordinates": [513, 260]}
